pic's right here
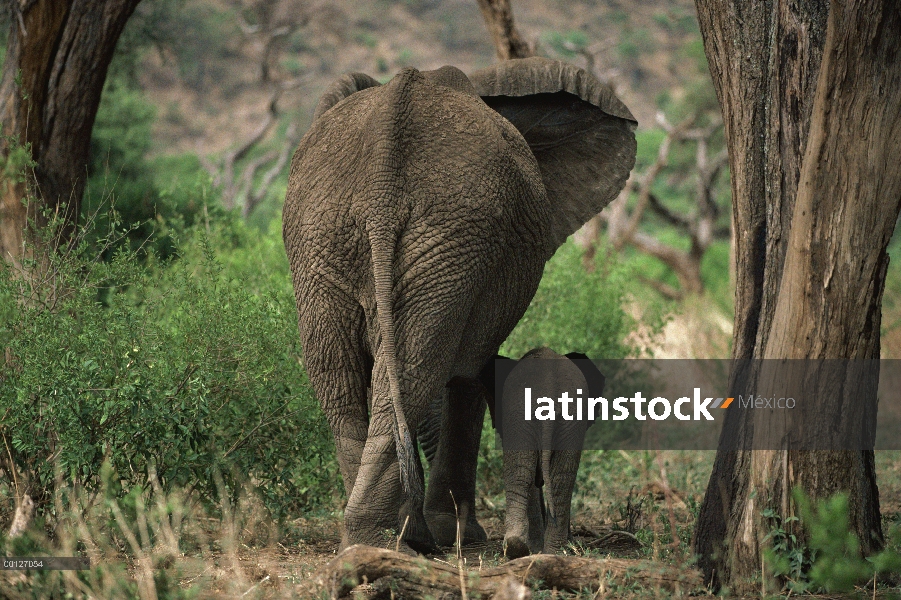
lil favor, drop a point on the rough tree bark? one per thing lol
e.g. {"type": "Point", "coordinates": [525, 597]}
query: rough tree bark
{"type": "Point", "coordinates": [811, 98]}
{"type": "Point", "coordinates": [498, 16]}
{"type": "Point", "coordinates": [56, 62]}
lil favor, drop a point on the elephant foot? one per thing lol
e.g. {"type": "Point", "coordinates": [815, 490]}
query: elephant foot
{"type": "Point", "coordinates": [444, 529]}
{"type": "Point", "coordinates": [515, 547]}
{"type": "Point", "coordinates": [421, 544]}
{"type": "Point", "coordinates": [417, 534]}
{"type": "Point", "coordinates": [555, 542]}
{"type": "Point", "coordinates": [475, 533]}
{"type": "Point", "coordinates": [404, 548]}
{"type": "Point", "coordinates": [411, 544]}
{"type": "Point", "coordinates": [355, 538]}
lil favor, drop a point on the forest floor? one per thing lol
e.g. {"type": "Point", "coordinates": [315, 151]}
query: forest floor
{"type": "Point", "coordinates": [646, 507]}
{"type": "Point", "coordinates": [280, 571]}
{"type": "Point", "coordinates": [653, 497]}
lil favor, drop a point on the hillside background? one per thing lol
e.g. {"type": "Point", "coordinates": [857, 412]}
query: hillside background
{"type": "Point", "coordinates": [199, 64]}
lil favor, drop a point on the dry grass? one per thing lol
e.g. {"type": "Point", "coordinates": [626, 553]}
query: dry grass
{"type": "Point", "coordinates": [165, 545]}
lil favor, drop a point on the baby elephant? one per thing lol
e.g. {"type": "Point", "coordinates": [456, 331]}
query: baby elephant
{"type": "Point", "coordinates": [542, 438]}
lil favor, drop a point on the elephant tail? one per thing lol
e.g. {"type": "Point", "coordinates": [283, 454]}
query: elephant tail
{"type": "Point", "coordinates": [382, 228]}
{"type": "Point", "coordinates": [382, 244]}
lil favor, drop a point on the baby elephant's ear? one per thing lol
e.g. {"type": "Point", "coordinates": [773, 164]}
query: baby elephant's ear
{"type": "Point", "coordinates": [580, 133]}
{"type": "Point", "coordinates": [341, 88]}
{"type": "Point", "coordinates": [593, 376]}
{"type": "Point", "coordinates": [493, 375]}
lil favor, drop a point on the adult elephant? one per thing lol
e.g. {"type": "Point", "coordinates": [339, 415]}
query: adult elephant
{"type": "Point", "coordinates": [418, 218]}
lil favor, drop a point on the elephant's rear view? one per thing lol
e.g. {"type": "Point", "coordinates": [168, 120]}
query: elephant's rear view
{"type": "Point", "coordinates": [418, 219]}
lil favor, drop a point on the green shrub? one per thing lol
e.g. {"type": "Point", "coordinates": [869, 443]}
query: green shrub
{"type": "Point", "coordinates": [191, 365]}
{"type": "Point", "coordinates": [830, 557]}
{"type": "Point", "coordinates": [159, 196]}
{"type": "Point", "coordinates": [120, 141]}
{"type": "Point", "coordinates": [576, 311]}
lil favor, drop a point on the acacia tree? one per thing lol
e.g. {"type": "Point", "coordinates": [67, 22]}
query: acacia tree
{"type": "Point", "coordinates": [811, 99]}
{"type": "Point", "coordinates": [56, 62]}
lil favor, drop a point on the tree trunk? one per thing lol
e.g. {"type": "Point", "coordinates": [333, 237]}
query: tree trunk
{"type": "Point", "coordinates": [811, 99]}
{"type": "Point", "coordinates": [56, 62]}
{"type": "Point", "coordinates": [498, 16]}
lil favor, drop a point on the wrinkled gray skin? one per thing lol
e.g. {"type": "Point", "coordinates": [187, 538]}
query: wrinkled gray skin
{"type": "Point", "coordinates": [417, 222]}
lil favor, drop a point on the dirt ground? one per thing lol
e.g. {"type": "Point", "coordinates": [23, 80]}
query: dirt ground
{"type": "Point", "coordinates": [279, 570]}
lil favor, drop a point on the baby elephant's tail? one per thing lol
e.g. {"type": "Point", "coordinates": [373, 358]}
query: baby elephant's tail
{"type": "Point", "coordinates": [546, 452]}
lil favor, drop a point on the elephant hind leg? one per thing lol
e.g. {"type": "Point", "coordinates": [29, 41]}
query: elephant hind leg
{"type": "Point", "coordinates": [525, 529]}
{"type": "Point", "coordinates": [376, 508]}
{"type": "Point", "coordinates": [524, 521]}
{"type": "Point", "coordinates": [452, 480]}
{"type": "Point", "coordinates": [560, 486]}
{"type": "Point", "coordinates": [537, 517]}
{"type": "Point", "coordinates": [338, 364]}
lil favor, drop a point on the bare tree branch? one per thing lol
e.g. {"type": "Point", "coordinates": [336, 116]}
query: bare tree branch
{"type": "Point", "coordinates": [647, 180]}
{"type": "Point", "coordinates": [397, 575]}
{"type": "Point", "coordinates": [508, 43]}
{"type": "Point", "coordinates": [623, 224]}
{"type": "Point", "coordinates": [226, 171]}
{"type": "Point", "coordinates": [591, 53]}
{"type": "Point", "coordinates": [274, 23]}
{"type": "Point", "coordinates": [246, 28]}
{"type": "Point", "coordinates": [671, 217]}
{"type": "Point", "coordinates": [249, 173]}
{"type": "Point", "coordinates": [255, 138]}
{"type": "Point", "coordinates": [664, 289]}
{"type": "Point", "coordinates": [292, 138]}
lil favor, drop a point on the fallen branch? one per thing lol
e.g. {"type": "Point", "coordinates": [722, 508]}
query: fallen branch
{"type": "Point", "coordinates": [387, 572]}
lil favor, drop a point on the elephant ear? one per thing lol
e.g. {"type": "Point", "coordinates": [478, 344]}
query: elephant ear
{"type": "Point", "coordinates": [492, 376]}
{"type": "Point", "coordinates": [341, 88]}
{"type": "Point", "coordinates": [580, 133]}
{"type": "Point", "coordinates": [593, 376]}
